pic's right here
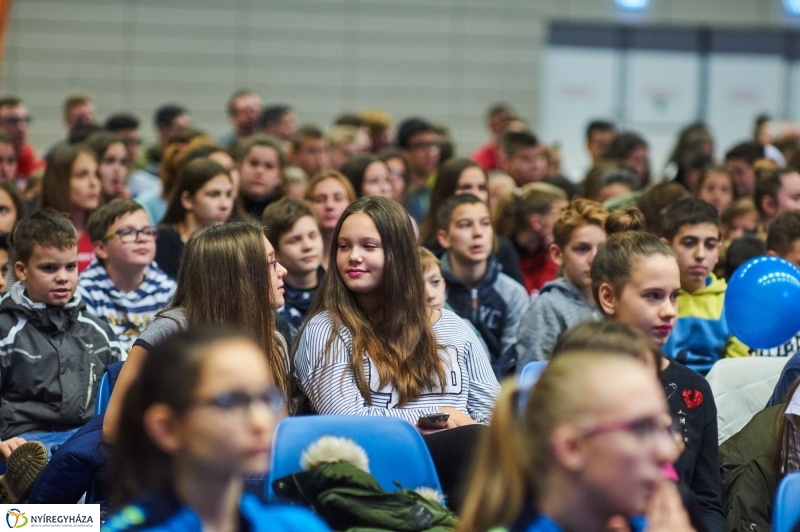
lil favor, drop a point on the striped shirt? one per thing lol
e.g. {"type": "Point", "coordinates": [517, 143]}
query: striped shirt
{"type": "Point", "coordinates": [331, 386]}
{"type": "Point", "coordinates": [127, 314]}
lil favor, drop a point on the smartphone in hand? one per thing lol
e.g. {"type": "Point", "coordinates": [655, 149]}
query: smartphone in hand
{"type": "Point", "coordinates": [436, 421]}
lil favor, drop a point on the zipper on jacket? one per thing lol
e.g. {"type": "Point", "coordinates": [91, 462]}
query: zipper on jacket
{"type": "Point", "coordinates": [92, 380]}
{"type": "Point", "coordinates": [474, 293]}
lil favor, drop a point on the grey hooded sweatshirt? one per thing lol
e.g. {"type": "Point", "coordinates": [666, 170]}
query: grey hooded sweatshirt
{"type": "Point", "coordinates": [559, 306]}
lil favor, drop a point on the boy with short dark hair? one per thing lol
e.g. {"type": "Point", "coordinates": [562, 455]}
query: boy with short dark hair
{"type": "Point", "coordinates": [124, 287]}
{"type": "Point", "coordinates": [477, 290]}
{"type": "Point", "coordinates": [783, 240]}
{"type": "Point", "coordinates": [293, 231]}
{"type": "Point", "coordinates": [525, 157]}
{"type": "Point", "coordinates": [52, 352]}
{"type": "Point", "coordinates": [692, 229]}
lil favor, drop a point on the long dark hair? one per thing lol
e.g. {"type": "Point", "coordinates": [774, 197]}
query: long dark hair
{"type": "Point", "coordinates": [57, 178]}
{"type": "Point", "coordinates": [191, 179]}
{"type": "Point", "coordinates": [786, 457]}
{"type": "Point", "coordinates": [397, 336]}
{"type": "Point", "coordinates": [168, 376]}
{"type": "Point", "coordinates": [446, 183]}
{"type": "Point", "coordinates": [224, 281]}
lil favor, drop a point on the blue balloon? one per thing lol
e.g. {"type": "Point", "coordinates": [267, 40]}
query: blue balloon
{"type": "Point", "coordinates": [762, 303]}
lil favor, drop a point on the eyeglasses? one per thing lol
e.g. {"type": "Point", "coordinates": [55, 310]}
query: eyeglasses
{"type": "Point", "coordinates": [274, 264]}
{"type": "Point", "coordinates": [241, 402]}
{"type": "Point", "coordinates": [419, 146]}
{"type": "Point", "coordinates": [131, 142]}
{"type": "Point", "coordinates": [129, 234]}
{"type": "Point", "coordinates": [646, 429]}
{"type": "Point", "coordinates": [15, 121]}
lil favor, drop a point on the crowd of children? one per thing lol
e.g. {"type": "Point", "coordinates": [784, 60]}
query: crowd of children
{"type": "Point", "coordinates": [285, 270]}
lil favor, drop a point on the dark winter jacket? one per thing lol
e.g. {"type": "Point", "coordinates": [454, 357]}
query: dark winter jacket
{"type": "Point", "coordinates": [748, 478]}
{"type": "Point", "coordinates": [51, 361]}
{"type": "Point", "coordinates": [494, 307]}
{"type": "Point", "coordinates": [297, 301]}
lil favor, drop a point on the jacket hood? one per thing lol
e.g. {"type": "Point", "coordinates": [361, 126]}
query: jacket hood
{"type": "Point", "coordinates": [713, 286]}
{"type": "Point", "coordinates": [46, 317]}
{"type": "Point", "coordinates": [563, 288]}
{"type": "Point", "coordinates": [492, 271]}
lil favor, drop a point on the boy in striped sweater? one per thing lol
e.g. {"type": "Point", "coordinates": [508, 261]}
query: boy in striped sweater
{"type": "Point", "coordinates": [124, 286]}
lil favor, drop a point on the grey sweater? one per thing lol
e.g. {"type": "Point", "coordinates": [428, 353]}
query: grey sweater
{"type": "Point", "coordinates": [559, 306]}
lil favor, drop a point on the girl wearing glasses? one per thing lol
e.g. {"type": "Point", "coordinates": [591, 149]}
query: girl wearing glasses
{"type": "Point", "coordinates": [229, 279]}
{"type": "Point", "coordinates": [636, 280]}
{"type": "Point", "coordinates": [203, 196]}
{"type": "Point", "coordinates": [70, 185]}
{"type": "Point", "coordinates": [200, 418]}
{"type": "Point", "coordinates": [587, 446]}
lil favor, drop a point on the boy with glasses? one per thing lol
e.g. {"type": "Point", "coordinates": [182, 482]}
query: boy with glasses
{"type": "Point", "coordinates": [14, 119]}
{"type": "Point", "coordinates": [124, 287]}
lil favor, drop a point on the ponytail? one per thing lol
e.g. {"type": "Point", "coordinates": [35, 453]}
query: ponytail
{"type": "Point", "coordinates": [515, 456]}
{"type": "Point", "coordinates": [631, 219]}
{"type": "Point", "coordinates": [626, 242]}
{"type": "Point", "coordinates": [502, 474]}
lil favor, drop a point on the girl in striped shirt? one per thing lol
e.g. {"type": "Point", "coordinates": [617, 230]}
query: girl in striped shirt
{"type": "Point", "coordinates": [372, 347]}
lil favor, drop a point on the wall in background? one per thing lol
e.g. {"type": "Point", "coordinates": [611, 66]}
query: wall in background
{"type": "Point", "coordinates": [445, 59]}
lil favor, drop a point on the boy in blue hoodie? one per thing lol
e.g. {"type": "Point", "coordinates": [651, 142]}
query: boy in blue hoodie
{"type": "Point", "coordinates": [476, 288]}
{"type": "Point", "coordinates": [567, 301]}
{"type": "Point", "coordinates": [293, 231]}
{"type": "Point", "coordinates": [691, 228]}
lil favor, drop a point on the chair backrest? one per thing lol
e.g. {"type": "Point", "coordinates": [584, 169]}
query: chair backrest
{"type": "Point", "coordinates": [530, 373]}
{"type": "Point", "coordinates": [106, 386]}
{"type": "Point", "coordinates": [395, 449]}
{"type": "Point", "coordinates": [103, 396]}
{"type": "Point", "coordinates": [786, 508]}
{"type": "Point", "coordinates": [741, 388]}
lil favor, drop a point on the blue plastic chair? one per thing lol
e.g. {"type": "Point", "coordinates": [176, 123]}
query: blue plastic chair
{"type": "Point", "coordinates": [530, 373]}
{"type": "Point", "coordinates": [786, 508]}
{"type": "Point", "coordinates": [103, 396]}
{"type": "Point", "coordinates": [395, 449]}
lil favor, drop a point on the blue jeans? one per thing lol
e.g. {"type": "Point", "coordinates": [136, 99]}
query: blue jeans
{"type": "Point", "coordinates": [49, 439]}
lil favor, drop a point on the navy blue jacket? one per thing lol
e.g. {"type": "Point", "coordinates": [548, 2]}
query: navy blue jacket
{"type": "Point", "coordinates": [494, 307]}
{"type": "Point", "coordinates": [297, 301]}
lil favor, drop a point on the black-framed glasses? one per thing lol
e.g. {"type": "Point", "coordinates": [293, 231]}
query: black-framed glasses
{"type": "Point", "coordinates": [129, 234]}
{"type": "Point", "coordinates": [17, 120]}
{"type": "Point", "coordinates": [241, 402]}
{"type": "Point", "coordinates": [274, 264]}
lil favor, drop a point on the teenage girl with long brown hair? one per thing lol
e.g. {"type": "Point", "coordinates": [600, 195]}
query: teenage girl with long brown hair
{"type": "Point", "coordinates": [372, 347]}
{"type": "Point", "coordinates": [230, 279]}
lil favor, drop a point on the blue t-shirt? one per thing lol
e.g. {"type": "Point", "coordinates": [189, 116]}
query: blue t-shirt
{"type": "Point", "coordinates": [163, 512]}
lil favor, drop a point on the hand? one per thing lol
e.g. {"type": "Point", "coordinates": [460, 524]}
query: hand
{"type": "Point", "coordinates": [666, 512]}
{"type": "Point", "coordinates": [449, 425]}
{"type": "Point", "coordinates": [7, 447]}
{"type": "Point", "coordinates": [457, 416]}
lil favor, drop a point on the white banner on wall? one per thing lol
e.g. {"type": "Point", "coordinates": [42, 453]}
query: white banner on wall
{"type": "Point", "coordinates": [580, 84]}
{"type": "Point", "coordinates": [741, 87]}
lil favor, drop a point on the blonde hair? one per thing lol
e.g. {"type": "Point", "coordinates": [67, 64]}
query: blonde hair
{"type": "Point", "coordinates": [580, 212]}
{"type": "Point", "coordinates": [427, 259]}
{"type": "Point", "coordinates": [330, 174]}
{"type": "Point", "coordinates": [515, 454]}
